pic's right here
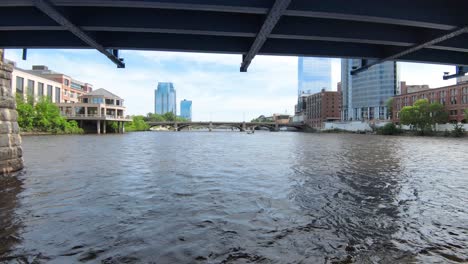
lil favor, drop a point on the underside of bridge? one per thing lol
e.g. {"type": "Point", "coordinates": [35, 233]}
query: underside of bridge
{"type": "Point", "coordinates": [432, 31]}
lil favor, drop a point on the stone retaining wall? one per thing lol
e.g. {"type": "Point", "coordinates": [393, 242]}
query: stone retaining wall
{"type": "Point", "coordinates": [11, 153]}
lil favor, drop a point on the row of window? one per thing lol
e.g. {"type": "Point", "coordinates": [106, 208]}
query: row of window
{"type": "Point", "coordinates": [40, 89]}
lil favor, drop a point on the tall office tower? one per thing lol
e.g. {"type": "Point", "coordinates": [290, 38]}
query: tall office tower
{"type": "Point", "coordinates": [165, 98]}
{"type": "Point", "coordinates": [186, 109]}
{"type": "Point", "coordinates": [314, 74]}
{"type": "Point", "coordinates": [365, 94]}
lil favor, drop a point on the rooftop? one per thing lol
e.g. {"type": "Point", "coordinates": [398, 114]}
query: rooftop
{"type": "Point", "coordinates": [102, 92]}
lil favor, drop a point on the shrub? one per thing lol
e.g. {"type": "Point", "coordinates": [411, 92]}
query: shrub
{"type": "Point", "coordinates": [458, 131]}
{"type": "Point", "coordinates": [388, 129]}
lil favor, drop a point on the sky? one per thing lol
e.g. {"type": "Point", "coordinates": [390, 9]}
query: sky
{"type": "Point", "coordinates": [212, 81]}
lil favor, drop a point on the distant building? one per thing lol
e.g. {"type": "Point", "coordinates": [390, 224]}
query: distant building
{"type": "Point", "coordinates": [40, 81]}
{"type": "Point", "coordinates": [186, 109]}
{"type": "Point", "coordinates": [454, 98]}
{"type": "Point", "coordinates": [364, 95]}
{"type": "Point", "coordinates": [405, 89]}
{"type": "Point", "coordinates": [280, 118]}
{"type": "Point", "coordinates": [322, 107]}
{"type": "Point", "coordinates": [314, 74]}
{"type": "Point", "coordinates": [165, 99]}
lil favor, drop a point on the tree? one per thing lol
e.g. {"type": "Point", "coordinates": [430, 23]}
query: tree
{"type": "Point", "coordinates": [25, 113]}
{"type": "Point", "coordinates": [423, 115]}
{"type": "Point", "coordinates": [44, 116]}
{"type": "Point", "coordinates": [138, 124]}
{"type": "Point", "coordinates": [466, 115]}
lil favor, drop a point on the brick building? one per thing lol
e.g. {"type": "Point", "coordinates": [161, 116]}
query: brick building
{"type": "Point", "coordinates": [322, 107]}
{"type": "Point", "coordinates": [454, 98]}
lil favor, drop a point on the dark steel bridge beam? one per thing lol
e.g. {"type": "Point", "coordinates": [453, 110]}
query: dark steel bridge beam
{"type": "Point", "coordinates": [223, 24]}
{"type": "Point", "coordinates": [50, 11]}
{"type": "Point", "coordinates": [229, 45]}
{"type": "Point", "coordinates": [278, 9]}
{"type": "Point", "coordinates": [437, 14]}
{"type": "Point", "coordinates": [413, 49]}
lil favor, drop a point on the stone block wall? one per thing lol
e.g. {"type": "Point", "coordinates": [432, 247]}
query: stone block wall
{"type": "Point", "coordinates": [11, 153]}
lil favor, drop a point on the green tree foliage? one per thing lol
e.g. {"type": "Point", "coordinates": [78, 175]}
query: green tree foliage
{"type": "Point", "coordinates": [466, 115]}
{"type": "Point", "coordinates": [389, 129]}
{"type": "Point", "coordinates": [150, 117]}
{"type": "Point", "coordinates": [262, 118]}
{"type": "Point", "coordinates": [458, 130]}
{"type": "Point", "coordinates": [138, 124]}
{"type": "Point", "coordinates": [44, 116]}
{"type": "Point", "coordinates": [422, 116]}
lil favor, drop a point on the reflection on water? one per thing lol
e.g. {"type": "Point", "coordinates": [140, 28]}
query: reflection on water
{"type": "Point", "coordinates": [9, 223]}
{"type": "Point", "coordinates": [237, 198]}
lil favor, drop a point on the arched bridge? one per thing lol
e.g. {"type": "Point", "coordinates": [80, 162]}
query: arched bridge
{"type": "Point", "coordinates": [242, 126]}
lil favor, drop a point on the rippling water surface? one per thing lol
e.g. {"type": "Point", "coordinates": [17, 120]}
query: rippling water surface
{"type": "Point", "coordinates": [199, 197]}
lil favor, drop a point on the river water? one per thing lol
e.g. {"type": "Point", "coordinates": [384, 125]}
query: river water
{"type": "Point", "coordinates": [229, 197]}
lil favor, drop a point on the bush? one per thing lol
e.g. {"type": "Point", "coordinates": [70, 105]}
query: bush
{"type": "Point", "coordinates": [388, 129]}
{"type": "Point", "coordinates": [44, 116]}
{"type": "Point", "coordinates": [458, 131]}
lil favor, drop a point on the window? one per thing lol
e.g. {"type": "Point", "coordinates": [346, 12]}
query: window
{"type": "Point", "coordinates": [49, 91]}
{"type": "Point", "coordinates": [66, 82]}
{"type": "Point", "coordinates": [57, 95]}
{"type": "Point", "coordinates": [453, 96]}
{"type": "Point", "coordinates": [453, 112]}
{"type": "Point", "coordinates": [31, 87]}
{"type": "Point", "coordinates": [85, 100]}
{"type": "Point", "coordinates": [19, 84]}
{"type": "Point", "coordinates": [465, 95]}
{"type": "Point", "coordinates": [97, 100]}
{"type": "Point", "coordinates": [40, 89]}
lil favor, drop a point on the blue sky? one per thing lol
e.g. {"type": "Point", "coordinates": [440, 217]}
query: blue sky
{"type": "Point", "coordinates": [212, 81]}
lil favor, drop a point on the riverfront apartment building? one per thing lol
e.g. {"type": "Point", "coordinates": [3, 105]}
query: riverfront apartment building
{"type": "Point", "coordinates": [97, 107]}
{"type": "Point", "coordinates": [322, 107]}
{"type": "Point", "coordinates": [186, 109]}
{"type": "Point", "coordinates": [365, 94]}
{"type": "Point", "coordinates": [165, 99]}
{"type": "Point", "coordinates": [454, 98]}
{"type": "Point", "coordinates": [40, 81]}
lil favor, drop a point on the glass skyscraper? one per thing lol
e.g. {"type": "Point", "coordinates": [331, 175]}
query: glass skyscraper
{"type": "Point", "coordinates": [186, 109]}
{"type": "Point", "coordinates": [365, 94]}
{"type": "Point", "coordinates": [314, 74]}
{"type": "Point", "coordinates": [165, 99]}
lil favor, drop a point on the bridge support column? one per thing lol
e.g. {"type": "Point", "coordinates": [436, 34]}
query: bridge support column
{"type": "Point", "coordinates": [176, 127]}
{"type": "Point", "coordinates": [104, 127]}
{"type": "Point", "coordinates": [276, 127]}
{"type": "Point", "coordinates": [11, 153]}
{"type": "Point", "coordinates": [210, 127]}
{"type": "Point", "coordinates": [243, 128]}
{"type": "Point", "coordinates": [98, 127]}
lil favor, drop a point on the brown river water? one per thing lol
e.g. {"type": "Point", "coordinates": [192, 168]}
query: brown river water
{"type": "Point", "coordinates": [229, 197]}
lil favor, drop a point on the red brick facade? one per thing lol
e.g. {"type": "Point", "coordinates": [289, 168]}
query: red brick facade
{"type": "Point", "coordinates": [454, 98]}
{"type": "Point", "coordinates": [322, 107]}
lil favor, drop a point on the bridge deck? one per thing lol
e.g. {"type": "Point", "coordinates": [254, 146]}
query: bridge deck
{"type": "Point", "coordinates": [417, 30]}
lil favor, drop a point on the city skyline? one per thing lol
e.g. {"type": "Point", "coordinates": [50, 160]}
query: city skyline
{"type": "Point", "coordinates": [212, 80]}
